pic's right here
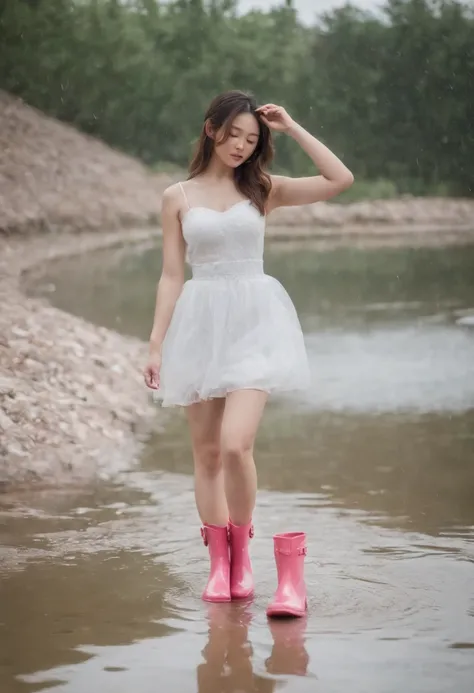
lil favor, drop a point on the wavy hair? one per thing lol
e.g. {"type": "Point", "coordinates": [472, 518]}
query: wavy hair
{"type": "Point", "coordinates": [251, 178]}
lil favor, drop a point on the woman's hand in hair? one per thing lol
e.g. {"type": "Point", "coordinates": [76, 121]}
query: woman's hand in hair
{"type": "Point", "coordinates": [275, 117]}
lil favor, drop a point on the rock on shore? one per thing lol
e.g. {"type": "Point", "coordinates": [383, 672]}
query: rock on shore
{"type": "Point", "coordinates": [73, 404]}
{"type": "Point", "coordinates": [72, 399]}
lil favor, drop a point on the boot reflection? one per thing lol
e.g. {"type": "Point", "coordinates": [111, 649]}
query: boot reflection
{"type": "Point", "coordinates": [289, 655]}
{"type": "Point", "coordinates": [227, 665]}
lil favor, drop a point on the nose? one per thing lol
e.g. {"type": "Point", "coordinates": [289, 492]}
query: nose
{"type": "Point", "coordinates": [240, 145]}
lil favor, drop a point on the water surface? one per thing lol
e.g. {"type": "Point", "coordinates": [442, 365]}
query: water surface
{"type": "Point", "coordinates": [101, 589]}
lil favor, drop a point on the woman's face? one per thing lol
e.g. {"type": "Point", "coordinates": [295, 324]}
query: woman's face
{"type": "Point", "coordinates": [242, 140]}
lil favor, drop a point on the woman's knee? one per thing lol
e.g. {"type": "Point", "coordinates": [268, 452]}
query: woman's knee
{"type": "Point", "coordinates": [207, 458]}
{"type": "Point", "coordinates": [235, 449]}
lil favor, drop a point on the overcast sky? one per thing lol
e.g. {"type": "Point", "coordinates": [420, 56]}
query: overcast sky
{"type": "Point", "coordinates": [308, 9]}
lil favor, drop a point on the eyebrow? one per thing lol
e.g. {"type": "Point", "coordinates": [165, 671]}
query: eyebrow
{"type": "Point", "coordinates": [250, 134]}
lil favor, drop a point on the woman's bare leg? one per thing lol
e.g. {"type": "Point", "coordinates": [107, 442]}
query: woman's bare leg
{"type": "Point", "coordinates": [242, 414]}
{"type": "Point", "coordinates": [205, 420]}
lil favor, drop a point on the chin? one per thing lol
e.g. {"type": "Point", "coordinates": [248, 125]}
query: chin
{"type": "Point", "coordinates": [229, 160]}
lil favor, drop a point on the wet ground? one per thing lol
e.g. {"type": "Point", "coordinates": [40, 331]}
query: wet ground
{"type": "Point", "coordinates": [100, 589]}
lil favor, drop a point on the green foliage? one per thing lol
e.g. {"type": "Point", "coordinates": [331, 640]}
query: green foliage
{"type": "Point", "coordinates": [393, 95]}
{"type": "Point", "coordinates": [380, 189]}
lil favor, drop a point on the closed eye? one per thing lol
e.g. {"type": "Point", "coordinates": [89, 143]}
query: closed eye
{"type": "Point", "coordinates": [235, 133]}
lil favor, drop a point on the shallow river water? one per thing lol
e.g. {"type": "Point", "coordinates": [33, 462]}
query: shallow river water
{"type": "Point", "coordinates": [100, 588]}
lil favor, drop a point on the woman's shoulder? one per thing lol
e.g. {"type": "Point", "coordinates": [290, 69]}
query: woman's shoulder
{"type": "Point", "coordinates": [173, 190]}
{"type": "Point", "coordinates": [173, 193]}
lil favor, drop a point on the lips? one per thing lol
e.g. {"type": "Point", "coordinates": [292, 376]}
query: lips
{"type": "Point", "coordinates": [237, 157]}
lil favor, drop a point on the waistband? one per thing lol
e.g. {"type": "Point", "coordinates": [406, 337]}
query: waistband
{"type": "Point", "coordinates": [227, 269]}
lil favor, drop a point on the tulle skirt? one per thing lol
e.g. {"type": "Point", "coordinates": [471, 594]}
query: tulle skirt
{"type": "Point", "coordinates": [229, 334]}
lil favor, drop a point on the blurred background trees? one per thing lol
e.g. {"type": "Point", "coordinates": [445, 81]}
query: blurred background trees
{"type": "Point", "coordinates": [392, 93]}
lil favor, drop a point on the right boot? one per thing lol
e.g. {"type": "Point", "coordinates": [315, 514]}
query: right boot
{"type": "Point", "coordinates": [290, 596]}
{"type": "Point", "coordinates": [218, 584]}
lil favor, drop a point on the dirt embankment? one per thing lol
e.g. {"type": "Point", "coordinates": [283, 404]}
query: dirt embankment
{"type": "Point", "coordinates": [73, 406]}
{"type": "Point", "coordinates": [72, 401]}
{"type": "Point", "coordinates": [54, 178]}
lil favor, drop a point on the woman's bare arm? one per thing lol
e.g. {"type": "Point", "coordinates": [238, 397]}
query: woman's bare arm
{"type": "Point", "coordinates": [334, 175]}
{"type": "Point", "coordinates": [172, 274]}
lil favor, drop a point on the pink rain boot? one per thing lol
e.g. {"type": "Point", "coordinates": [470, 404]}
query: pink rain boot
{"type": "Point", "coordinates": [290, 596]}
{"type": "Point", "coordinates": [218, 584]}
{"type": "Point", "coordinates": [241, 578]}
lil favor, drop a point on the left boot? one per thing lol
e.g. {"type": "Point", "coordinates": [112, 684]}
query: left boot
{"type": "Point", "coordinates": [241, 578]}
{"type": "Point", "coordinates": [290, 596]}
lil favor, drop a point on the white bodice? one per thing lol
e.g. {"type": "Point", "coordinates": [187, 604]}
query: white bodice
{"type": "Point", "coordinates": [233, 327]}
{"type": "Point", "coordinates": [228, 243]}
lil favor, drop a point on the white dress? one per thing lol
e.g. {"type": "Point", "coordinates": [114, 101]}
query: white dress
{"type": "Point", "coordinates": [233, 326]}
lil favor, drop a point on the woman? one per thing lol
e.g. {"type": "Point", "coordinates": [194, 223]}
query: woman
{"type": "Point", "coordinates": [226, 339]}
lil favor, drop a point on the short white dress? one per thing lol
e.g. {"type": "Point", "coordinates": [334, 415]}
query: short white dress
{"type": "Point", "coordinates": [233, 327]}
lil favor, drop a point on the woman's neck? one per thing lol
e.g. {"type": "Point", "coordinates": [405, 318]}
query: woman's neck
{"type": "Point", "coordinates": [217, 171]}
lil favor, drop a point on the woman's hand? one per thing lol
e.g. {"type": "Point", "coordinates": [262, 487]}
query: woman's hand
{"type": "Point", "coordinates": [275, 117]}
{"type": "Point", "coordinates": [152, 371]}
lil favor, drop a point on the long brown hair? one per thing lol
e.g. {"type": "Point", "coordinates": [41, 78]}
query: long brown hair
{"type": "Point", "coordinates": [250, 177]}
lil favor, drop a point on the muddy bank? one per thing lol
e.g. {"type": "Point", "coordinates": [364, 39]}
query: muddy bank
{"type": "Point", "coordinates": [72, 401]}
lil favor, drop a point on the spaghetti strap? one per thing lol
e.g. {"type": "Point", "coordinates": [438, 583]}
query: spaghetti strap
{"type": "Point", "coordinates": [184, 195]}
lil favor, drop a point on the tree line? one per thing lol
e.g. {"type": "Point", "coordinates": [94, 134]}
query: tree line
{"type": "Point", "coordinates": [392, 93]}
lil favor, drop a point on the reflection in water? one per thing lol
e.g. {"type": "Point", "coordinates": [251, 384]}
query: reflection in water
{"type": "Point", "coordinates": [376, 466]}
{"type": "Point", "coordinates": [348, 287]}
{"type": "Point", "coordinates": [356, 287]}
{"type": "Point", "coordinates": [228, 653]}
{"type": "Point", "coordinates": [52, 608]}
{"type": "Point", "coordinates": [288, 655]}
{"type": "Point", "coordinates": [110, 599]}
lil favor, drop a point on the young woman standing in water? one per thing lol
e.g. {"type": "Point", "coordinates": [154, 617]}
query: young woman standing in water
{"type": "Point", "coordinates": [226, 339]}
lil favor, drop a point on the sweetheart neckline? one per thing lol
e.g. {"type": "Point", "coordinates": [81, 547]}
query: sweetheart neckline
{"type": "Point", "coordinates": [216, 211]}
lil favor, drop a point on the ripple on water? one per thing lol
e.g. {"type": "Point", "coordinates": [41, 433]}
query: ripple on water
{"type": "Point", "coordinates": [350, 572]}
{"type": "Point", "coordinates": [359, 576]}
{"type": "Point", "coordinates": [362, 579]}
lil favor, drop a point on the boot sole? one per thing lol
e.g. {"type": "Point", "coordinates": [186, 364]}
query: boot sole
{"type": "Point", "coordinates": [282, 611]}
{"type": "Point", "coordinates": [240, 597]}
{"type": "Point", "coordinates": [216, 600]}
